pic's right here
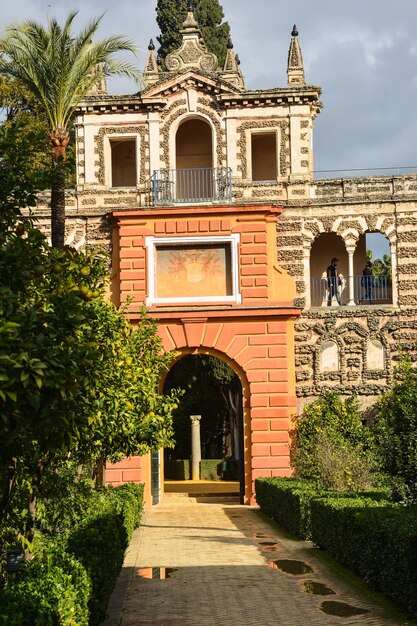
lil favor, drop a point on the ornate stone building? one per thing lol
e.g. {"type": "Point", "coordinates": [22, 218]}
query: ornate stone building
{"type": "Point", "coordinates": [196, 172]}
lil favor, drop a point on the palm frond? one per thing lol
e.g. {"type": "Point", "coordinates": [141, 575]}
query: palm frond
{"type": "Point", "coordinates": [60, 68]}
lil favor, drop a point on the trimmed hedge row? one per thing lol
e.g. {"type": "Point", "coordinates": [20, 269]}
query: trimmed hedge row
{"type": "Point", "coordinates": [363, 531]}
{"type": "Point", "coordinates": [180, 469]}
{"type": "Point", "coordinates": [70, 583]}
{"type": "Point", "coordinates": [376, 540]}
{"type": "Point", "coordinates": [288, 501]}
{"type": "Point", "coordinates": [55, 590]}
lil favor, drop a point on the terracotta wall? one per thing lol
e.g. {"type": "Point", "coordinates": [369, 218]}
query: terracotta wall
{"type": "Point", "coordinates": [255, 336]}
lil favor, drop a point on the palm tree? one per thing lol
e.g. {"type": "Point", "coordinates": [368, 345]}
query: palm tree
{"type": "Point", "coordinates": [59, 69]}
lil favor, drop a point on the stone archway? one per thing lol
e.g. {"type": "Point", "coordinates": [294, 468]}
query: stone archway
{"type": "Point", "coordinates": [220, 406]}
{"type": "Point", "coordinates": [258, 345]}
{"type": "Point", "coordinates": [324, 248]}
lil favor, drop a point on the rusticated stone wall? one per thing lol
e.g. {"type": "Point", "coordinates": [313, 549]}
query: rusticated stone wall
{"type": "Point", "coordinates": [349, 209]}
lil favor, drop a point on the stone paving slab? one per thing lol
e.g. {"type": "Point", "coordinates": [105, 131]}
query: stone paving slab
{"type": "Point", "coordinates": [212, 564]}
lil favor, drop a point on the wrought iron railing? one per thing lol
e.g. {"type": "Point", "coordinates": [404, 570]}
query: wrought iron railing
{"type": "Point", "coordinates": [186, 186]}
{"type": "Point", "coordinates": [366, 290]}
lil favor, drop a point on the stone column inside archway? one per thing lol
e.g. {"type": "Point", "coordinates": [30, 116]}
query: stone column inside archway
{"type": "Point", "coordinates": [195, 447]}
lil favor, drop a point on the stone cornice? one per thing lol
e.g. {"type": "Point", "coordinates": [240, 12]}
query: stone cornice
{"type": "Point", "coordinates": [284, 309]}
{"type": "Point", "coordinates": [133, 215]}
{"type": "Point", "coordinates": [307, 94]}
{"type": "Point", "coordinates": [106, 104]}
{"type": "Point", "coordinates": [228, 95]}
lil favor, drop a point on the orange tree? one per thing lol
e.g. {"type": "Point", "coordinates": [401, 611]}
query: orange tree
{"type": "Point", "coordinates": [76, 381]}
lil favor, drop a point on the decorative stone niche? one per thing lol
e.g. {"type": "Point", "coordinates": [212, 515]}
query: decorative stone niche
{"type": "Point", "coordinates": [329, 357]}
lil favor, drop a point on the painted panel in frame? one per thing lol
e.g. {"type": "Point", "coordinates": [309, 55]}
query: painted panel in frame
{"type": "Point", "coordinates": [189, 271]}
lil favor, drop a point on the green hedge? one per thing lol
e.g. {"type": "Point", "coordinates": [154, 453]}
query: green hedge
{"type": "Point", "coordinates": [178, 469]}
{"type": "Point", "coordinates": [55, 590]}
{"type": "Point", "coordinates": [71, 583]}
{"type": "Point", "coordinates": [377, 540]}
{"type": "Point", "coordinates": [287, 501]}
{"type": "Point", "coordinates": [210, 469]}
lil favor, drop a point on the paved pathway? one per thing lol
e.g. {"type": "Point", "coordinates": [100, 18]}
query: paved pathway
{"type": "Point", "coordinates": [198, 564]}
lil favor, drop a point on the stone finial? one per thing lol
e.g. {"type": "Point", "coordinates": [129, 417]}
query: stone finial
{"type": "Point", "coordinates": [190, 21]}
{"type": "Point", "coordinates": [231, 70]}
{"type": "Point", "coordinates": [295, 69]}
{"type": "Point", "coordinates": [151, 71]}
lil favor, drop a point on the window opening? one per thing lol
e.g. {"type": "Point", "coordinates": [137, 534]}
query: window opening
{"type": "Point", "coordinates": [264, 157]}
{"type": "Point", "coordinates": [123, 162]}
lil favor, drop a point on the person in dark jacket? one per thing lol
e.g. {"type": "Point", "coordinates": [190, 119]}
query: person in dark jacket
{"type": "Point", "coordinates": [333, 282]}
{"type": "Point", "coordinates": [367, 282]}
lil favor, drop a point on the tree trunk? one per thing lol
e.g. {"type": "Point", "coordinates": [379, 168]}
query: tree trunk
{"type": "Point", "coordinates": [59, 138]}
{"type": "Point", "coordinates": [231, 398]}
{"type": "Point", "coordinates": [30, 526]}
{"type": "Point", "coordinates": [4, 501]}
{"type": "Point", "coordinates": [11, 474]}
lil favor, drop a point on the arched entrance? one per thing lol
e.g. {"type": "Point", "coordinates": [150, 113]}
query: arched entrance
{"type": "Point", "coordinates": [213, 391]}
{"type": "Point", "coordinates": [194, 160]}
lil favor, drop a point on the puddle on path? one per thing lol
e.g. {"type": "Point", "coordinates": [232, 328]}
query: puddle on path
{"type": "Point", "coordinates": [341, 609]}
{"type": "Point", "coordinates": [289, 566]}
{"type": "Point", "coordinates": [267, 543]}
{"type": "Point", "coordinates": [317, 589]}
{"type": "Point", "coordinates": [156, 573]}
{"type": "Point", "coordinates": [273, 548]}
{"type": "Point", "coordinates": [261, 536]}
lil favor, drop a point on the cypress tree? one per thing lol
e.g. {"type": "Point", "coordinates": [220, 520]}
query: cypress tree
{"type": "Point", "coordinates": [209, 15]}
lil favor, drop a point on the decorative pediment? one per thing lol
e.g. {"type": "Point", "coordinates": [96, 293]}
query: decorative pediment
{"type": "Point", "coordinates": [192, 53]}
{"type": "Point", "coordinates": [191, 79]}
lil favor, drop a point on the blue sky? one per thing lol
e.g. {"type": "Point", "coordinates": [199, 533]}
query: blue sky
{"type": "Point", "coordinates": [379, 245]}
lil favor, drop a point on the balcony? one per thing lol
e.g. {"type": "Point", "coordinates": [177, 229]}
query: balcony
{"type": "Point", "coordinates": [366, 291]}
{"type": "Point", "coordinates": [190, 186]}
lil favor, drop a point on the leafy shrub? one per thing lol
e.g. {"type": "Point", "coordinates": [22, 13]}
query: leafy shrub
{"type": "Point", "coordinates": [68, 497]}
{"type": "Point", "coordinates": [332, 446]}
{"type": "Point", "coordinates": [99, 547]}
{"type": "Point", "coordinates": [127, 502]}
{"type": "Point", "coordinates": [54, 590]}
{"type": "Point", "coordinates": [396, 433]}
{"type": "Point", "coordinates": [375, 539]}
{"type": "Point", "coordinates": [341, 465]}
{"type": "Point", "coordinates": [69, 583]}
